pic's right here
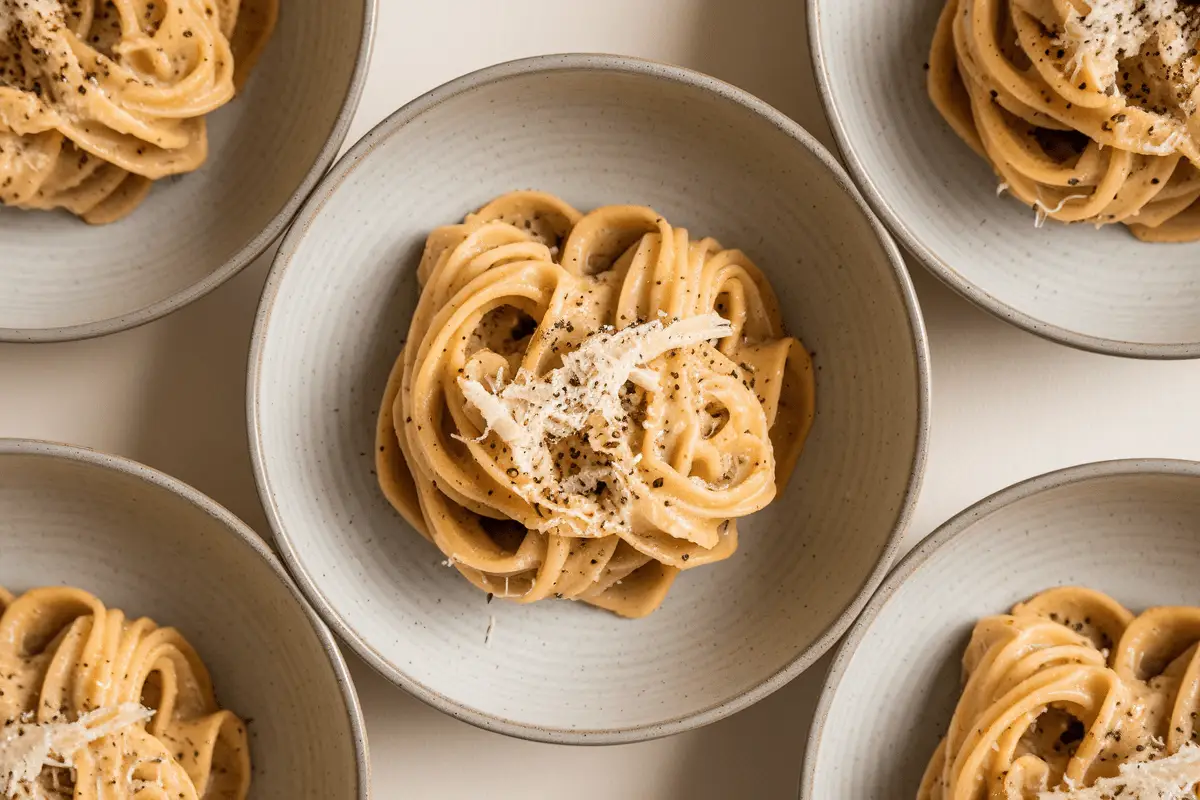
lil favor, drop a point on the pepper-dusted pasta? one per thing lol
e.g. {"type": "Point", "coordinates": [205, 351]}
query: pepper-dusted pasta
{"type": "Point", "coordinates": [587, 403]}
{"type": "Point", "coordinates": [98, 98]}
{"type": "Point", "coordinates": [1084, 108]}
{"type": "Point", "coordinates": [97, 706]}
{"type": "Point", "coordinates": [1072, 696]}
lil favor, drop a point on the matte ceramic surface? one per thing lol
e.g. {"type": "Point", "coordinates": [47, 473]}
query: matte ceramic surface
{"type": "Point", "coordinates": [1128, 528]}
{"type": "Point", "coordinates": [152, 546]}
{"type": "Point", "coordinates": [63, 279]}
{"type": "Point", "coordinates": [1099, 290]}
{"type": "Point", "coordinates": [335, 313]}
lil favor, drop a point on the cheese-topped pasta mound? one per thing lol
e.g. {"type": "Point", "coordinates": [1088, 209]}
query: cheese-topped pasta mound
{"type": "Point", "coordinates": [587, 403]}
{"type": "Point", "coordinates": [1072, 696]}
{"type": "Point", "coordinates": [100, 97]}
{"type": "Point", "coordinates": [1084, 108]}
{"type": "Point", "coordinates": [96, 706]}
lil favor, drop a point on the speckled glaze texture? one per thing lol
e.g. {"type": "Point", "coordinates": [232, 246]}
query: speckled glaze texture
{"type": "Point", "coordinates": [1099, 290]}
{"type": "Point", "coordinates": [336, 310]}
{"type": "Point", "coordinates": [63, 279]}
{"type": "Point", "coordinates": [1127, 528]}
{"type": "Point", "coordinates": [152, 546]}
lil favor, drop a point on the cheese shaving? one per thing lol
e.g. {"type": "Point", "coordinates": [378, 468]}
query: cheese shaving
{"type": "Point", "coordinates": [1170, 778]}
{"type": "Point", "coordinates": [1114, 29]}
{"type": "Point", "coordinates": [582, 397]}
{"type": "Point", "coordinates": [27, 747]}
{"type": "Point", "coordinates": [1042, 211]}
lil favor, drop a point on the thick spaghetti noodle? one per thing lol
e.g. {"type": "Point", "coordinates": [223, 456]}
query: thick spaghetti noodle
{"type": "Point", "coordinates": [587, 403]}
{"type": "Point", "coordinates": [1072, 696]}
{"type": "Point", "coordinates": [96, 706]}
{"type": "Point", "coordinates": [100, 97]}
{"type": "Point", "coordinates": [1084, 110]}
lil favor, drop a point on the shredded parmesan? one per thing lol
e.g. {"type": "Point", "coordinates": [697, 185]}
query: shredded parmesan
{"type": "Point", "coordinates": [27, 747]}
{"type": "Point", "coordinates": [582, 397]}
{"type": "Point", "coordinates": [1114, 29]}
{"type": "Point", "coordinates": [1043, 211]}
{"type": "Point", "coordinates": [1170, 778]}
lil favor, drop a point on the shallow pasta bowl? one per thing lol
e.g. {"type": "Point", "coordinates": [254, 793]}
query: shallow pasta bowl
{"type": "Point", "coordinates": [1125, 528]}
{"type": "Point", "coordinates": [63, 279]}
{"type": "Point", "coordinates": [151, 546]}
{"type": "Point", "coordinates": [1100, 290]}
{"type": "Point", "coordinates": [594, 130]}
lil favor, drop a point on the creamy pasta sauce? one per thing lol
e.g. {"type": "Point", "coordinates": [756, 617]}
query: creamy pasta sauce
{"type": "Point", "coordinates": [97, 706]}
{"type": "Point", "coordinates": [587, 402]}
{"type": "Point", "coordinates": [100, 97]}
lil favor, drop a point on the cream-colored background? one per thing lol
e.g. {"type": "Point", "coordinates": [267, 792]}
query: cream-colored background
{"type": "Point", "coordinates": [1006, 405]}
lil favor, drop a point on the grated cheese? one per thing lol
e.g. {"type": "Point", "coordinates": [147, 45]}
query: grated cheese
{"type": "Point", "coordinates": [1170, 778]}
{"type": "Point", "coordinates": [583, 396]}
{"type": "Point", "coordinates": [1113, 29]}
{"type": "Point", "coordinates": [27, 747]}
{"type": "Point", "coordinates": [1042, 212]}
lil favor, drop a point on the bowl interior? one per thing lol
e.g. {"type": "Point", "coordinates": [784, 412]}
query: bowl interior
{"type": "Point", "coordinates": [150, 552]}
{"type": "Point", "coordinates": [1101, 289]}
{"type": "Point", "coordinates": [336, 313]}
{"type": "Point", "coordinates": [197, 229]}
{"type": "Point", "coordinates": [1129, 530]}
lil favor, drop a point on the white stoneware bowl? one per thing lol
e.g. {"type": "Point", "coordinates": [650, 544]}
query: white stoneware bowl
{"type": "Point", "coordinates": [336, 309]}
{"type": "Point", "coordinates": [1098, 290]}
{"type": "Point", "coordinates": [1127, 528]}
{"type": "Point", "coordinates": [63, 279]}
{"type": "Point", "coordinates": [152, 546]}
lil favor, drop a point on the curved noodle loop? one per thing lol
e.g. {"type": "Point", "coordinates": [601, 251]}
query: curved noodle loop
{"type": "Point", "coordinates": [100, 97]}
{"type": "Point", "coordinates": [587, 403]}
{"type": "Point", "coordinates": [1085, 110]}
{"type": "Point", "coordinates": [97, 706]}
{"type": "Point", "coordinates": [1072, 696]}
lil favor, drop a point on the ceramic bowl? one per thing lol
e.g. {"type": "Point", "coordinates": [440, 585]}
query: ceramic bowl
{"type": "Point", "coordinates": [64, 279]}
{"type": "Point", "coordinates": [1100, 290]}
{"type": "Point", "coordinates": [336, 309]}
{"type": "Point", "coordinates": [152, 546]}
{"type": "Point", "coordinates": [1127, 528]}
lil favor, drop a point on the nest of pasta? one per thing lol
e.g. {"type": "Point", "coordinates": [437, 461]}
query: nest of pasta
{"type": "Point", "coordinates": [586, 404]}
{"type": "Point", "coordinates": [1084, 110]}
{"type": "Point", "coordinates": [98, 98]}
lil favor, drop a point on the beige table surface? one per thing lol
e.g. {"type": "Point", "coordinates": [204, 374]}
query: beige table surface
{"type": "Point", "coordinates": [1006, 404]}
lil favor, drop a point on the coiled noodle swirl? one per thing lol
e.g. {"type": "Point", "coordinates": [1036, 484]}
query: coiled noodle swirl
{"type": "Point", "coordinates": [1070, 689]}
{"type": "Point", "coordinates": [1085, 110]}
{"type": "Point", "coordinates": [570, 417]}
{"type": "Point", "coordinates": [64, 659]}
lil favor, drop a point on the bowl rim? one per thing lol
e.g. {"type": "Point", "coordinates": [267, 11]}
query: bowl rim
{"type": "Point", "coordinates": [549, 64]}
{"type": "Point", "coordinates": [943, 271]}
{"type": "Point", "coordinates": [251, 249]}
{"type": "Point", "coordinates": [942, 537]}
{"type": "Point", "coordinates": [242, 534]}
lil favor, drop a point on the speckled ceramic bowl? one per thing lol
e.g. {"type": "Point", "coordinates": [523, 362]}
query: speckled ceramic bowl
{"type": "Point", "coordinates": [152, 546]}
{"type": "Point", "coordinates": [595, 130]}
{"type": "Point", "coordinates": [1127, 528]}
{"type": "Point", "coordinates": [63, 279]}
{"type": "Point", "coordinates": [1098, 290]}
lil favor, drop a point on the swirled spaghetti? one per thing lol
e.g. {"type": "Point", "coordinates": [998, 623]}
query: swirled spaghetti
{"type": "Point", "coordinates": [1085, 110]}
{"type": "Point", "coordinates": [97, 706]}
{"type": "Point", "coordinates": [587, 403]}
{"type": "Point", "coordinates": [1072, 696]}
{"type": "Point", "coordinates": [100, 97]}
